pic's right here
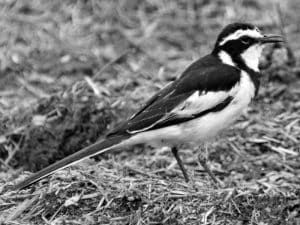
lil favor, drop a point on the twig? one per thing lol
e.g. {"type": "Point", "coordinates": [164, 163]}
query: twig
{"type": "Point", "coordinates": [21, 208]}
{"type": "Point", "coordinates": [5, 165]}
{"type": "Point", "coordinates": [37, 92]}
{"type": "Point", "coordinates": [16, 147]}
{"type": "Point", "coordinates": [207, 214]}
{"type": "Point", "coordinates": [291, 56]}
{"type": "Point", "coordinates": [92, 84]}
{"type": "Point", "coordinates": [115, 60]}
{"type": "Point", "coordinates": [202, 161]}
{"type": "Point", "coordinates": [282, 151]}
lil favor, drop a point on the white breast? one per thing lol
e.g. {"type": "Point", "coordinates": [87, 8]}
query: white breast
{"type": "Point", "coordinates": [210, 125]}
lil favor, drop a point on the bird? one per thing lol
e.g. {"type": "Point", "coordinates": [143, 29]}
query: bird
{"type": "Point", "coordinates": [206, 98]}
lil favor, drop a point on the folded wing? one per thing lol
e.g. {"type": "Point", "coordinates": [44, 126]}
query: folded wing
{"type": "Point", "coordinates": [206, 86]}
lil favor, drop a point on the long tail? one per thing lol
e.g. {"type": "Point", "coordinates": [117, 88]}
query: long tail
{"type": "Point", "coordinates": [111, 143]}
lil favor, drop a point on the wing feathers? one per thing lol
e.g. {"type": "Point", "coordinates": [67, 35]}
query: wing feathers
{"type": "Point", "coordinates": [206, 85]}
{"type": "Point", "coordinates": [152, 115]}
{"type": "Point", "coordinates": [175, 119]}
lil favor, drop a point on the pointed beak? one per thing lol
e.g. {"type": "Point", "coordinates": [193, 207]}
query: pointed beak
{"type": "Point", "coordinates": [271, 38]}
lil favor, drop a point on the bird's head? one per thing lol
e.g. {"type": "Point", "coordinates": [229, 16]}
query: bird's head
{"type": "Point", "coordinates": [241, 45]}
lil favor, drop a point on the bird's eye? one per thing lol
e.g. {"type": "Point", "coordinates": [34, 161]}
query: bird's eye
{"type": "Point", "coordinates": [246, 40]}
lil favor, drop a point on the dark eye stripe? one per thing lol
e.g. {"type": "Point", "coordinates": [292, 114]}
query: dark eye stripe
{"type": "Point", "coordinates": [247, 40]}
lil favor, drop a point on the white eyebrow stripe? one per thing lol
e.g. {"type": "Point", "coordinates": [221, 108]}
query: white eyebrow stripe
{"type": "Point", "coordinates": [240, 33]}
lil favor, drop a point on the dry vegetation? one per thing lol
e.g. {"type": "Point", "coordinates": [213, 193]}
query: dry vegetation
{"type": "Point", "coordinates": [70, 70]}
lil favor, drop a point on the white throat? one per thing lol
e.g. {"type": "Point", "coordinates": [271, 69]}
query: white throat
{"type": "Point", "coordinates": [251, 56]}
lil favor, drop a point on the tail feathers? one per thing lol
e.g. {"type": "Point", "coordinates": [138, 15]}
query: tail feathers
{"type": "Point", "coordinates": [111, 143]}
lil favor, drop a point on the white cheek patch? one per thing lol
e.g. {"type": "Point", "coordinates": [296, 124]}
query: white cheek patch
{"type": "Point", "coordinates": [226, 58]}
{"type": "Point", "coordinates": [251, 56]}
{"type": "Point", "coordinates": [239, 33]}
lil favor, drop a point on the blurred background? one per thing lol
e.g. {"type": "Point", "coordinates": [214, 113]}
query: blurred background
{"type": "Point", "coordinates": [71, 70]}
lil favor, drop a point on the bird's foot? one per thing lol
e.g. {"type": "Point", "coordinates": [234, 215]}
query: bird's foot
{"type": "Point", "coordinates": [179, 161]}
{"type": "Point", "coordinates": [203, 162]}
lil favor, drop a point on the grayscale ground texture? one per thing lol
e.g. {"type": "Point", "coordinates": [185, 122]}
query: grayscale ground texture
{"type": "Point", "coordinates": [71, 70]}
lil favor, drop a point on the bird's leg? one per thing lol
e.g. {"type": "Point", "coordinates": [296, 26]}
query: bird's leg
{"type": "Point", "coordinates": [178, 159]}
{"type": "Point", "coordinates": [202, 161]}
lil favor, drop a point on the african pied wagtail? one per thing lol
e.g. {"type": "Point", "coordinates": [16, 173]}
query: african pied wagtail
{"type": "Point", "coordinates": [209, 95]}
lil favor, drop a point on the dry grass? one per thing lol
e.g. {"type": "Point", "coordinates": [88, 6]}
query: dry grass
{"type": "Point", "coordinates": [71, 70]}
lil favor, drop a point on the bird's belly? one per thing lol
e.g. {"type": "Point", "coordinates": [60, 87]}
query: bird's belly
{"type": "Point", "coordinates": [204, 128]}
